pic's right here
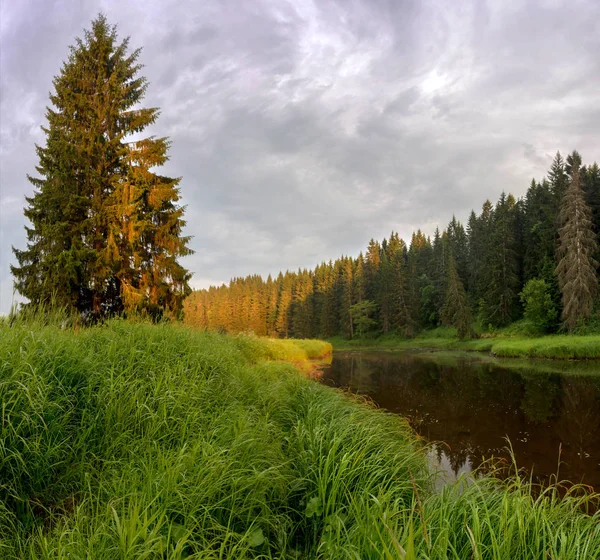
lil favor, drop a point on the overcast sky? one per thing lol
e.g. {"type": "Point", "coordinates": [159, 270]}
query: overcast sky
{"type": "Point", "coordinates": [303, 128]}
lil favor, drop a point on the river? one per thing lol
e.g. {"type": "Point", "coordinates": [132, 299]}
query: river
{"type": "Point", "coordinates": [468, 404]}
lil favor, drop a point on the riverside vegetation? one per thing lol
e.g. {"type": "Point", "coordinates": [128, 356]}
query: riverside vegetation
{"type": "Point", "coordinates": [130, 440]}
{"type": "Point", "coordinates": [521, 261]}
{"type": "Point", "coordinates": [556, 347]}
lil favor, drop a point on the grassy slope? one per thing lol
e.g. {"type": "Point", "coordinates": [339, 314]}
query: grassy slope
{"type": "Point", "coordinates": [549, 346]}
{"type": "Point", "coordinates": [139, 441]}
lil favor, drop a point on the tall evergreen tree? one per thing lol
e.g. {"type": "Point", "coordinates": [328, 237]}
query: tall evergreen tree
{"type": "Point", "coordinates": [360, 287]}
{"type": "Point", "coordinates": [284, 301]}
{"type": "Point", "coordinates": [302, 305]}
{"type": "Point", "coordinates": [576, 269]}
{"type": "Point", "coordinates": [458, 244]}
{"type": "Point", "coordinates": [106, 230]}
{"type": "Point", "coordinates": [591, 186]}
{"type": "Point", "coordinates": [539, 229]}
{"type": "Point", "coordinates": [456, 311]}
{"type": "Point", "coordinates": [272, 293]}
{"type": "Point", "coordinates": [501, 275]}
{"type": "Point", "coordinates": [480, 247]}
{"type": "Point", "coordinates": [438, 273]}
{"type": "Point", "coordinates": [372, 260]}
{"type": "Point", "coordinates": [346, 298]}
{"type": "Point", "coordinates": [384, 299]}
{"type": "Point", "coordinates": [559, 181]}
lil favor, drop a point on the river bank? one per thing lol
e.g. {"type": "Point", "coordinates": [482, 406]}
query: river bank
{"type": "Point", "coordinates": [471, 406]}
{"type": "Point", "coordinates": [555, 347]}
{"type": "Point", "coordinates": [134, 440]}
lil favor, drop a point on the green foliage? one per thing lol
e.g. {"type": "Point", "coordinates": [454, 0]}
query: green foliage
{"type": "Point", "coordinates": [538, 304]}
{"type": "Point", "coordinates": [501, 249]}
{"type": "Point", "coordinates": [315, 349]}
{"type": "Point", "coordinates": [133, 441]}
{"type": "Point", "coordinates": [556, 347]}
{"type": "Point", "coordinates": [362, 315]}
{"type": "Point", "coordinates": [106, 231]}
{"type": "Point", "coordinates": [456, 311]}
{"type": "Point", "coordinates": [501, 271]}
{"type": "Point", "coordinates": [428, 296]}
{"type": "Point", "coordinates": [140, 441]}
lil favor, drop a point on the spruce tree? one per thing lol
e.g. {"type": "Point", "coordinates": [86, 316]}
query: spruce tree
{"type": "Point", "coordinates": [501, 272]}
{"type": "Point", "coordinates": [438, 272]}
{"type": "Point", "coordinates": [284, 301]}
{"type": "Point", "coordinates": [576, 268]}
{"type": "Point", "coordinates": [591, 186]}
{"type": "Point", "coordinates": [328, 300]}
{"type": "Point", "coordinates": [359, 279]}
{"type": "Point", "coordinates": [456, 311]}
{"type": "Point", "coordinates": [403, 318]}
{"type": "Point", "coordinates": [302, 305]}
{"type": "Point", "coordinates": [384, 298]}
{"type": "Point", "coordinates": [459, 246]}
{"type": "Point", "coordinates": [105, 230]}
{"type": "Point", "coordinates": [346, 298]}
{"type": "Point", "coordinates": [559, 180]}
{"type": "Point", "coordinates": [372, 262]}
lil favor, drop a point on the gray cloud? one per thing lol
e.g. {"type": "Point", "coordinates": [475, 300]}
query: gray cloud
{"type": "Point", "coordinates": [302, 128]}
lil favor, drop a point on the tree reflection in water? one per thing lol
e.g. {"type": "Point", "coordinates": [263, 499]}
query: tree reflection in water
{"type": "Point", "coordinates": [471, 404]}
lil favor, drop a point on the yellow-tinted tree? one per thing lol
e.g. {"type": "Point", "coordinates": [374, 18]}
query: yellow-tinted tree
{"type": "Point", "coordinates": [106, 230]}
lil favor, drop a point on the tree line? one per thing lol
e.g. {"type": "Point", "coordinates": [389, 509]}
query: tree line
{"type": "Point", "coordinates": [535, 257]}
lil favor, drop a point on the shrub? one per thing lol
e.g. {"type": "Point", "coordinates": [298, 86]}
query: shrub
{"type": "Point", "coordinates": [539, 307]}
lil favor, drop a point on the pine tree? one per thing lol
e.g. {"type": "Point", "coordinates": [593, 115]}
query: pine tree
{"type": "Point", "coordinates": [106, 230]}
{"type": "Point", "coordinates": [576, 268]}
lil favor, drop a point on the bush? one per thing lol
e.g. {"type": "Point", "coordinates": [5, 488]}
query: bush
{"type": "Point", "coordinates": [539, 307]}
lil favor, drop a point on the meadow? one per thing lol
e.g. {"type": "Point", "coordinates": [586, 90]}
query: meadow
{"type": "Point", "coordinates": [138, 441]}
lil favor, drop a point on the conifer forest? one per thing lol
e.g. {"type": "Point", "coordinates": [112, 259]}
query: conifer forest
{"type": "Point", "coordinates": [534, 257]}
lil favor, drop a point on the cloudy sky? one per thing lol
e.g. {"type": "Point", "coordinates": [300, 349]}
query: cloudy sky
{"type": "Point", "coordinates": [302, 128]}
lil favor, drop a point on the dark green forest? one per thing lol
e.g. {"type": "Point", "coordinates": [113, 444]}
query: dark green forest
{"type": "Point", "coordinates": [533, 258]}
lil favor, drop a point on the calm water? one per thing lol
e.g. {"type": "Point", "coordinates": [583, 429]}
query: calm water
{"type": "Point", "coordinates": [469, 405]}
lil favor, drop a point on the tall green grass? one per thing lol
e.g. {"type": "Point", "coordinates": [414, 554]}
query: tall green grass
{"type": "Point", "coordinates": [292, 350]}
{"type": "Point", "coordinates": [562, 347]}
{"type": "Point", "coordinates": [133, 441]}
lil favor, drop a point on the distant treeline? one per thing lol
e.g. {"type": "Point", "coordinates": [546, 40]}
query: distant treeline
{"type": "Point", "coordinates": [535, 256]}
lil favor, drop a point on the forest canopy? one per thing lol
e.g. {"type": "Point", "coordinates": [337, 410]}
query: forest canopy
{"type": "Point", "coordinates": [534, 257]}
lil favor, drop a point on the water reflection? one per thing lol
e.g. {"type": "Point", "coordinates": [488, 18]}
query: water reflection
{"type": "Point", "coordinates": [471, 405]}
